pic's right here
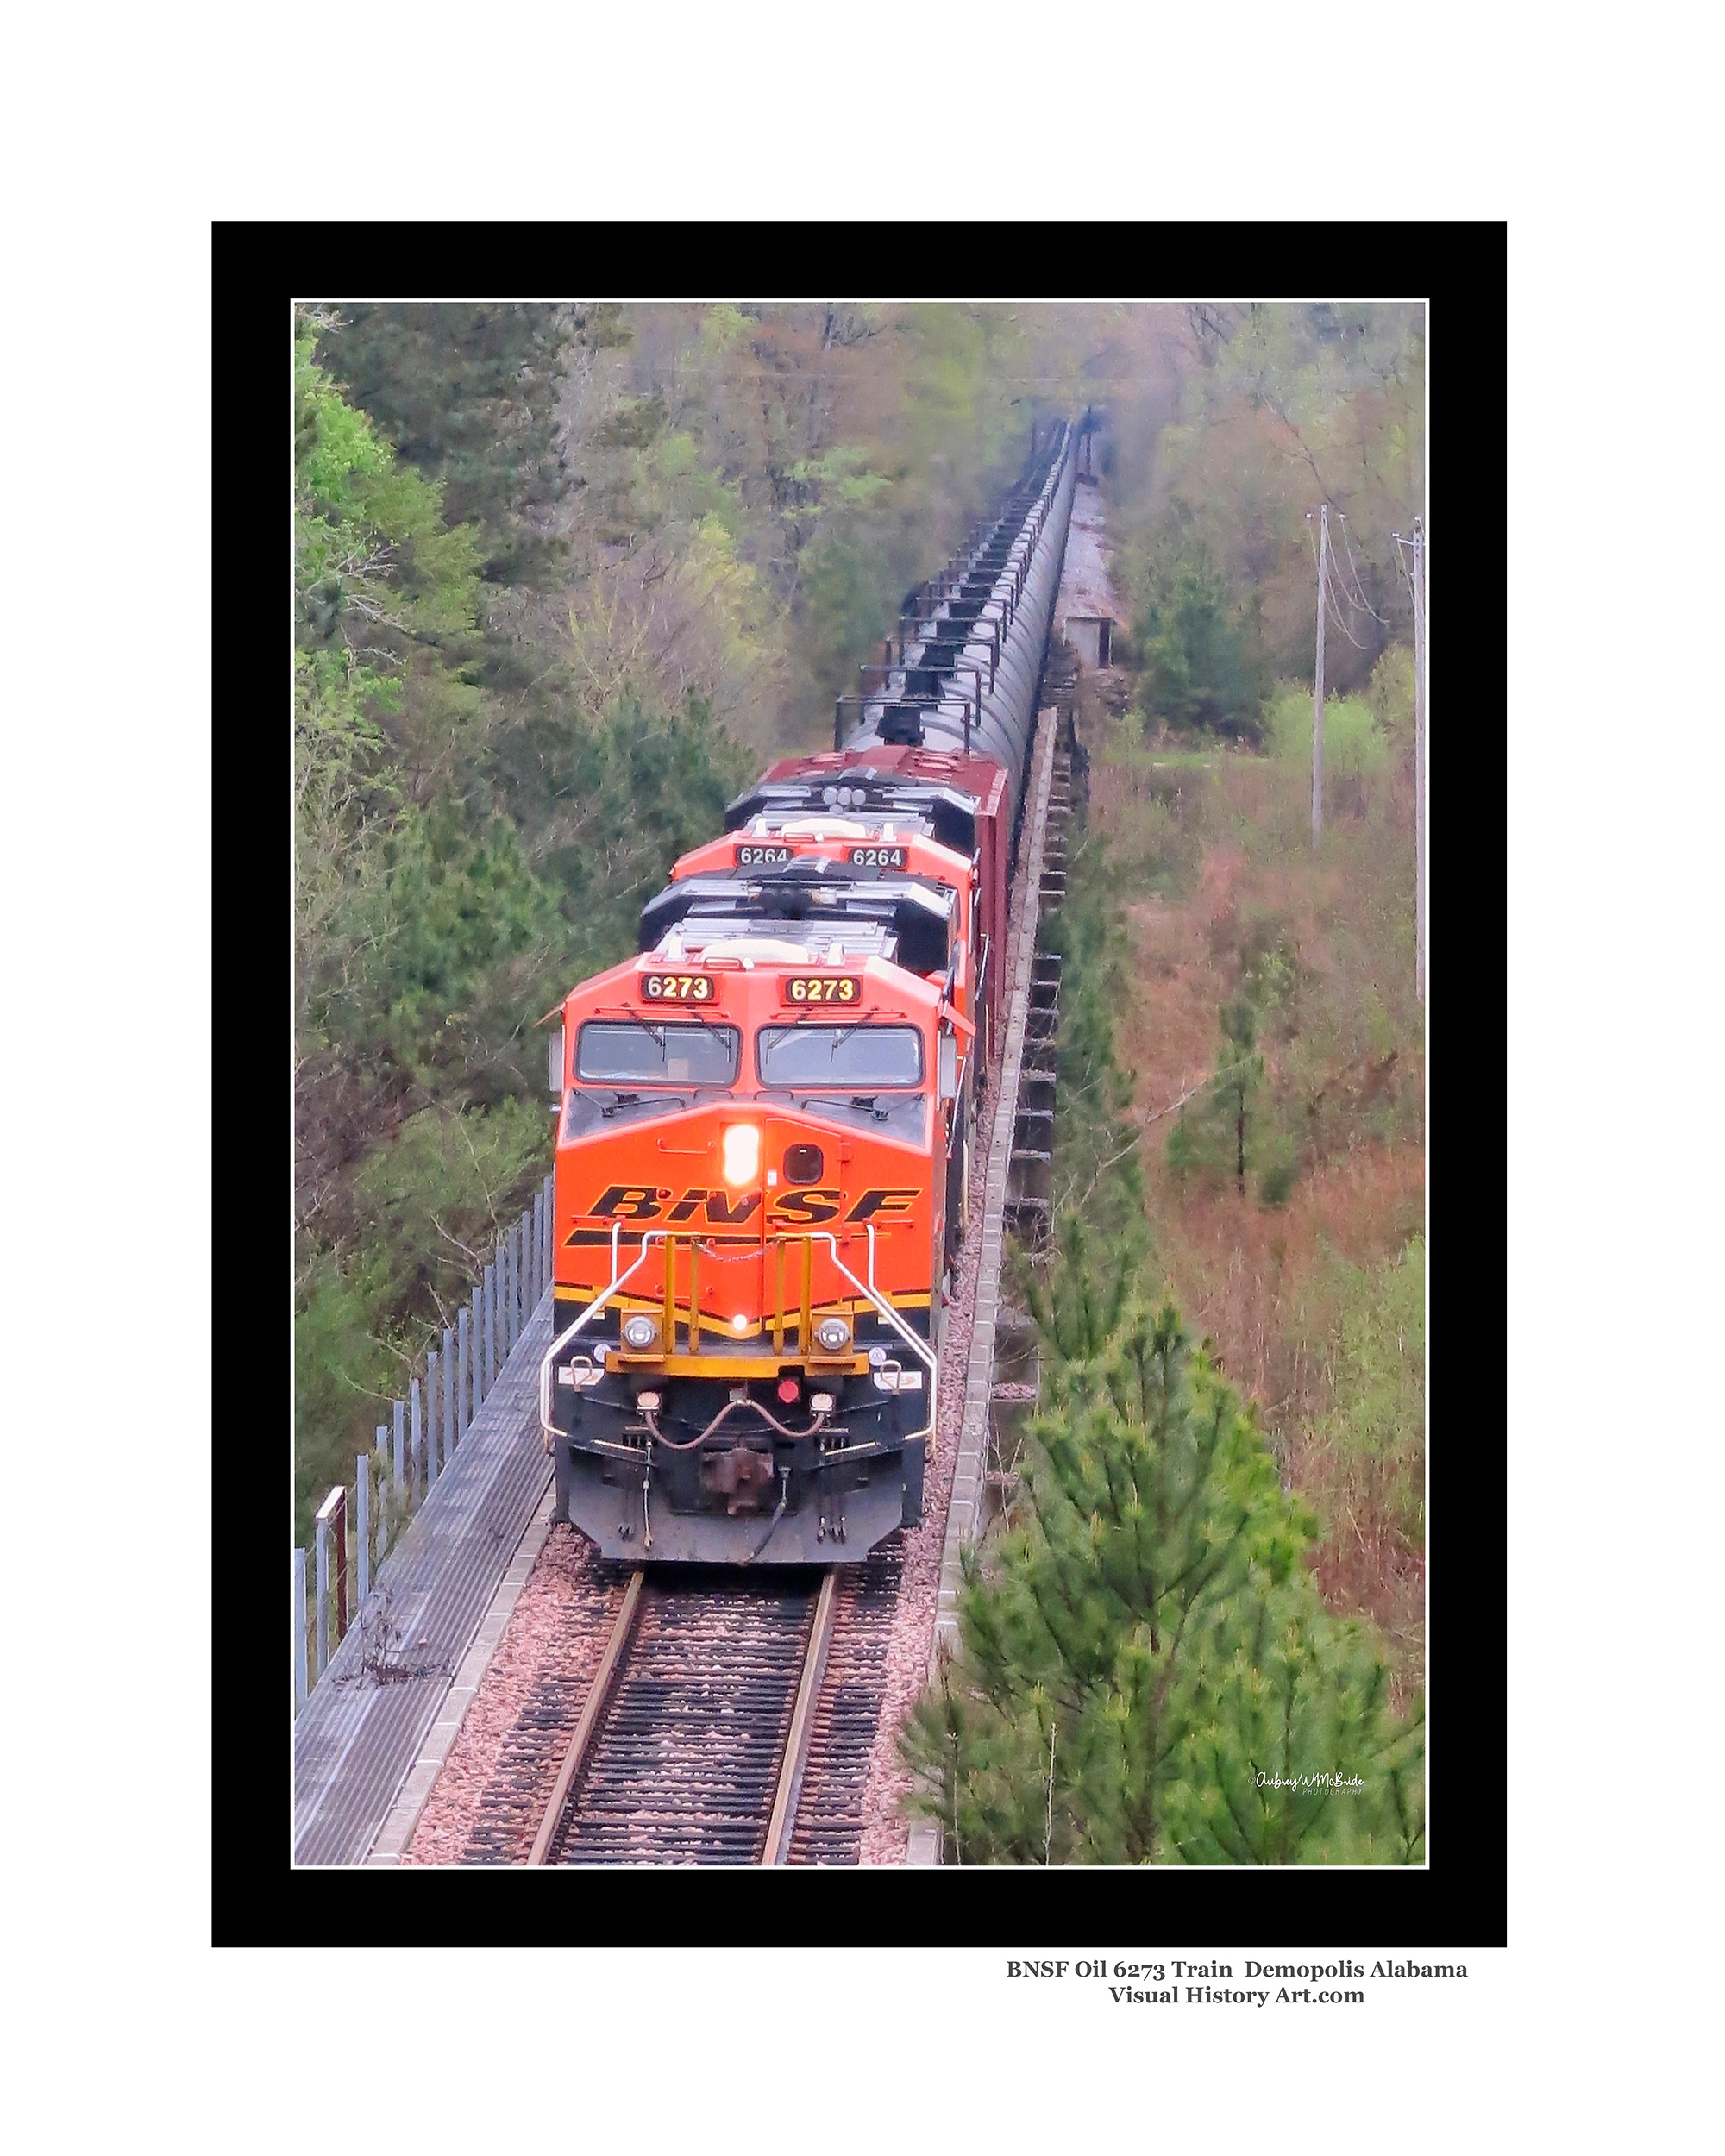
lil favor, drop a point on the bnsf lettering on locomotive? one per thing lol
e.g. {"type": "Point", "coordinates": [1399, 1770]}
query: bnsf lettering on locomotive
{"type": "Point", "coordinates": [637, 1201]}
{"type": "Point", "coordinates": [807, 1208]}
{"type": "Point", "coordinates": [628, 1201]}
{"type": "Point", "coordinates": [791, 1209]}
{"type": "Point", "coordinates": [877, 1202]}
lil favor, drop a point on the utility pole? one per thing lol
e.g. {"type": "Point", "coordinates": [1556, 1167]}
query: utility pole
{"type": "Point", "coordinates": [1318, 693]}
{"type": "Point", "coordinates": [1419, 760]}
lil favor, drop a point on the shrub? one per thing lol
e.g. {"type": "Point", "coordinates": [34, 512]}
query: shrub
{"type": "Point", "coordinates": [1279, 1170]}
{"type": "Point", "coordinates": [1355, 745]}
{"type": "Point", "coordinates": [1390, 693]}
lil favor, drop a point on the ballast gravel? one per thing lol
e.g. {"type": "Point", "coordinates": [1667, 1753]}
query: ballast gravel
{"type": "Point", "coordinates": [558, 1626]}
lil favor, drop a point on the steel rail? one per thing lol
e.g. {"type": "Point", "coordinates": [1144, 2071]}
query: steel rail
{"type": "Point", "coordinates": [591, 1707]}
{"type": "Point", "coordinates": [783, 1822]}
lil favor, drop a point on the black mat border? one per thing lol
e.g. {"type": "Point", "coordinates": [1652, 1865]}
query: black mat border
{"type": "Point", "coordinates": [1460, 1898]}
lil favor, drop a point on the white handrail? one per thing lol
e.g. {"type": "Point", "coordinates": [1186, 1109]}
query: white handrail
{"type": "Point", "coordinates": [569, 1332]}
{"type": "Point", "coordinates": [923, 1350]}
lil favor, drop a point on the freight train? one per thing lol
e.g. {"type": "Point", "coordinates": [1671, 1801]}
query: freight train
{"type": "Point", "coordinates": [766, 1116]}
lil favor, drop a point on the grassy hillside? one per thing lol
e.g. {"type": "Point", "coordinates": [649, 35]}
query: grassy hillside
{"type": "Point", "coordinates": [1310, 1279]}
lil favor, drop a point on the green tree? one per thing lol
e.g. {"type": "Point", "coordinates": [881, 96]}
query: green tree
{"type": "Point", "coordinates": [1078, 1306]}
{"type": "Point", "coordinates": [1301, 1758]}
{"type": "Point", "coordinates": [1120, 1656]}
{"type": "Point", "coordinates": [467, 392]}
{"type": "Point", "coordinates": [385, 605]}
{"type": "Point", "coordinates": [386, 594]}
{"type": "Point", "coordinates": [1201, 650]}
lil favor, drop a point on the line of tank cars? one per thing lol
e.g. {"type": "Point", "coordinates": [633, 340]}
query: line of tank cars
{"type": "Point", "coordinates": [767, 1116]}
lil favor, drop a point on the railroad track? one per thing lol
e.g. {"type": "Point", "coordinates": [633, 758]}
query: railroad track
{"type": "Point", "coordinates": [694, 1740]}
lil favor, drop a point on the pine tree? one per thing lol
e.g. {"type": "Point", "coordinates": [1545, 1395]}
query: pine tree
{"type": "Point", "coordinates": [1135, 1658]}
{"type": "Point", "coordinates": [1079, 1309]}
{"type": "Point", "coordinates": [1203, 661]}
{"type": "Point", "coordinates": [1157, 1507]}
{"type": "Point", "coordinates": [468, 392]}
{"type": "Point", "coordinates": [1300, 1713]}
{"type": "Point", "coordinates": [1217, 1137]}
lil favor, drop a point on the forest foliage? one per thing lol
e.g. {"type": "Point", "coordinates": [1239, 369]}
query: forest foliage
{"type": "Point", "coordinates": [1278, 410]}
{"type": "Point", "coordinates": [565, 577]}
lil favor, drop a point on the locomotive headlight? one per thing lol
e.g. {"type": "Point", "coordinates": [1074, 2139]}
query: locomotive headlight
{"type": "Point", "coordinates": [742, 1153]}
{"type": "Point", "coordinates": [833, 1334]}
{"type": "Point", "coordinates": [639, 1331]}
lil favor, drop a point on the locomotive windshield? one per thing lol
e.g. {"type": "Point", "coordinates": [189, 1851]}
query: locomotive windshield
{"type": "Point", "coordinates": [847, 1055]}
{"type": "Point", "coordinates": [621, 1053]}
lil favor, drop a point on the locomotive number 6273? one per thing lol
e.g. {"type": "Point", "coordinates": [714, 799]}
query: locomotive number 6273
{"type": "Point", "coordinates": [820, 988]}
{"type": "Point", "coordinates": [677, 987]}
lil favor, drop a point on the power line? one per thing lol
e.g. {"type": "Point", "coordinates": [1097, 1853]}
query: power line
{"type": "Point", "coordinates": [1329, 594]}
{"type": "Point", "coordinates": [1324, 587]}
{"type": "Point", "coordinates": [1359, 587]}
{"type": "Point", "coordinates": [1336, 617]}
{"type": "Point", "coordinates": [1358, 594]}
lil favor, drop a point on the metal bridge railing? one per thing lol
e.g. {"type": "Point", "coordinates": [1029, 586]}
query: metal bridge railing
{"type": "Point", "coordinates": [414, 1447]}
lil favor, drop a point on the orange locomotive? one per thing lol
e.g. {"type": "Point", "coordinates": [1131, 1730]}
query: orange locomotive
{"type": "Point", "coordinates": [763, 1131]}
{"type": "Point", "coordinates": [750, 1193]}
